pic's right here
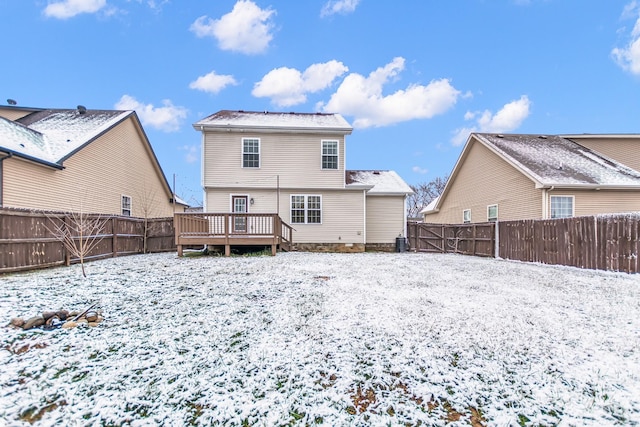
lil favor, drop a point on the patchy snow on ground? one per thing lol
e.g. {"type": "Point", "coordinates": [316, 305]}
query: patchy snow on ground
{"type": "Point", "coordinates": [332, 339]}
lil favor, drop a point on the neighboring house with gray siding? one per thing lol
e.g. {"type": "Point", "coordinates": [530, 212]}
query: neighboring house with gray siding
{"type": "Point", "coordinates": [511, 177]}
{"type": "Point", "coordinates": [293, 164]}
{"type": "Point", "coordinates": [97, 161]}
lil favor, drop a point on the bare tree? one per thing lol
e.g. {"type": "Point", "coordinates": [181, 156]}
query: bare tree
{"type": "Point", "coordinates": [423, 194]}
{"type": "Point", "coordinates": [79, 232]}
{"type": "Point", "coordinates": [147, 202]}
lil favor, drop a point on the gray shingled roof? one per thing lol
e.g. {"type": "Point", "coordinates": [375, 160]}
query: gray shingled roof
{"type": "Point", "coordinates": [557, 161]}
{"type": "Point", "coordinates": [270, 120]}
{"type": "Point", "coordinates": [52, 135]}
{"type": "Point", "coordinates": [382, 182]}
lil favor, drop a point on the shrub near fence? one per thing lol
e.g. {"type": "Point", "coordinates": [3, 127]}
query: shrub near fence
{"type": "Point", "coordinates": [28, 242]}
{"type": "Point", "coordinates": [603, 242]}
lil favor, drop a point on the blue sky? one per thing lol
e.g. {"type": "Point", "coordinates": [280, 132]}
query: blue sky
{"type": "Point", "coordinates": [413, 77]}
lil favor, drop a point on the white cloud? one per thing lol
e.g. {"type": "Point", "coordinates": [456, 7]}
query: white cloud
{"type": "Point", "coordinates": [167, 118]}
{"type": "Point", "coordinates": [628, 57]}
{"type": "Point", "coordinates": [288, 86]}
{"type": "Point", "coordinates": [362, 98]}
{"type": "Point", "coordinates": [212, 82]}
{"type": "Point", "coordinates": [418, 169]}
{"type": "Point", "coordinates": [246, 29]}
{"type": "Point", "coordinates": [509, 117]}
{"type": "Point", "coordinates": [69, 8]}
{"type": "Point", "coordinates": [339, 6]}
{"type": "Point", "coordinates": [192, 153]}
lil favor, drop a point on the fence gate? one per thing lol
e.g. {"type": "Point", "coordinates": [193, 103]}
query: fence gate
{"type": "Point", "coordinates": [467, 239]}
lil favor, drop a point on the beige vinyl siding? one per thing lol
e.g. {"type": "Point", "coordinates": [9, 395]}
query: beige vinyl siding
{"type": "Point", "coordinates": [11, 114]}
{"type": "Point", "coordinates": [342, 212]}
{"type": "Point", "coordinates": [94, 179]}
{"type": "Point", "coordinates": [295, 158]}
{"type": "Point", "coordinates": [486, 179]}
{"type": "Point", "coordinates": [624, 150]}
{"type": "Point", "coordinates": [386, 218]}
{"type": "Point", "coordinates": [592, 202]}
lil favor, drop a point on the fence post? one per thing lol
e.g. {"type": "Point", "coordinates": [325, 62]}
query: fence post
{"type": "Point", "coordinates": [67, 254]}
{"type": "Point", "coordinates": [114, 236]}
{"type": "Point", "coordinates": [496, 240]}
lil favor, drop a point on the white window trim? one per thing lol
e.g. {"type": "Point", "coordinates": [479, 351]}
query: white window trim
{"type": "Point", "coordinates": [337, 154]}
{"type": "Point", "coordinates": [464, 220]}
{"type": "Point", "coordinates": [489, 219]}
{"type": "Point", "coordinates": [259, 153]}
{"type": "Point", "coordinates": [231, 196]}
{"type": "Point", "coordinates": [122, 196]}
{"type": "Point", "coordinates": [573, 205]}
{"type": "Point", "coordinates": [306, 209]}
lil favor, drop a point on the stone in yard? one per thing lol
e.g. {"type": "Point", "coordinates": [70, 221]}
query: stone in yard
{"type": "Point", "coordinates": [17, 322]}
{"type": "Point", "coordinates": [91, 316]}
{"type": "Point", "coordinates": [63, 314]}
{"type": "Point", "coordinates": [70, 324]}
{"type": "Point", "coordinates": [48, 315]}
{"type": "Point", "coordinates": [33, 323]}
{"type": "Point", "coordinates": [53, 321]}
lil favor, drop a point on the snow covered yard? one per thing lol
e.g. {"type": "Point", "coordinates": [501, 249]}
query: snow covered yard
{"type": "Point", "coordinates": [332, 339]}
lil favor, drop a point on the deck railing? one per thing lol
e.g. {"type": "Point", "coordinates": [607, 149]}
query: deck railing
{"type": "Point", "coordinates": [231, 229]}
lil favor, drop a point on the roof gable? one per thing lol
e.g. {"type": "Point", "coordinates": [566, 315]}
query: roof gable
{"type": "Point", "coordinates": [66, 131]}
{"type": "Point", "coordinates": [557, 161]}
{"type": "Point", "coordinates": [227, 119]}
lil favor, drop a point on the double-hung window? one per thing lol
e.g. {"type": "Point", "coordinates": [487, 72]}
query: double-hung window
{"type": "Point", "coordinates": [492, 213]}
{"type": "Point", "coordinates": [126, 205]}
{"type": "Point", "coordinates": [329, 154]}
{"type": "Point", "coordinates": [306, 209]}
{"type": "Point", "coordinates": [561, 206]}
{"type": "Point", "coordinates": [250, 153]}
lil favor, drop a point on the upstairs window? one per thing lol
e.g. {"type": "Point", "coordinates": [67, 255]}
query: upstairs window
{"type": "Point", "coordinates": [250, 153]}
{"type": "Point", "coordinates": [466, 216]}
{"type": "Point", "coordinates": [306, 209]}
{"type": "Point", "coordinates": [329, 154]}
{"type": "Point", "coordinates": [561, 206]}
{"type": "Point", "coordinates": [492, 213]}
{"type": "Point", "coordinates": [126, 206]}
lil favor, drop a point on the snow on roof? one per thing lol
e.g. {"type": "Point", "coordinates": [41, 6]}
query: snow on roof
{"type": "Point", "coordinates": [266, 119]}
{"type": "Point", "coordinates": [383, 182]}
{"type": "Point", "coordinates": [555, 160]}
{"type": "Point", "coordinates": [52, 135]}
{"type": "Point", "coordinates": [431, 206]}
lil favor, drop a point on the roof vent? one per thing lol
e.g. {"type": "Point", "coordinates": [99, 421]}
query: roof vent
{"type": "Point", "coordinates": [542, 136]}
{"type": "Point", "coordinates": [376, 172]}
{"type": "Point", "coordinates": [265, 111]}
{"type": "Point", "coordinates": [11, 101]}
{"type": "Point", "coordinates": [82, 109]}
{"type": "Point", "coordinates": [500, 135]}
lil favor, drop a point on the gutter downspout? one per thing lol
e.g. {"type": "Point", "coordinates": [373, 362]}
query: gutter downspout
{"type": "Point", "coordinates": [364, 210]}
{"type": "Point", "coordinates": [545, 201]}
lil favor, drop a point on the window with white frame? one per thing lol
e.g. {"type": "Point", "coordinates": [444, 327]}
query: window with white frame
{"type": "Point", "coordinates": [562, 206]}
{"type": "Point", "coordinates": [329, 154]}
{"type": "Point", "coordinates": [126, 205]}
{"type": "Point", "coordinates": [466, 216]}
{"type": "Point", "coordinates": [250, 153]}
{"type": "Point", "coordinates": [492, 213]}
{"type": "Point", "coordinates": [306, 209]}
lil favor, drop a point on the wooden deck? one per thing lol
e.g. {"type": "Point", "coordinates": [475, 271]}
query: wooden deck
{"type": "Point", "coordinates": [232, 229]}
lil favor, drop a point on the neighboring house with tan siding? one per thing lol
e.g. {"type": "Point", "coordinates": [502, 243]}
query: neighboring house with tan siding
{"type": "Point", "coordinates": [511, 177]}
{"type": "Point", "coordinates": [293, 164]}
{"type": "Point", "coordinates": [97, 161]}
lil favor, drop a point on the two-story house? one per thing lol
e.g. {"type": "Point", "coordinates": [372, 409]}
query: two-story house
{"type": "Point", "coordinates": [98, 161]}
{"type": "Point", "coordinates": [293, 164]}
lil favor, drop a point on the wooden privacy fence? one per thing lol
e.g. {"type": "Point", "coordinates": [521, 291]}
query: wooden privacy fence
{"type": "Point", "coordinates": [604, 242]}
{"type": "Point", "coordinates": [28, 239]}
